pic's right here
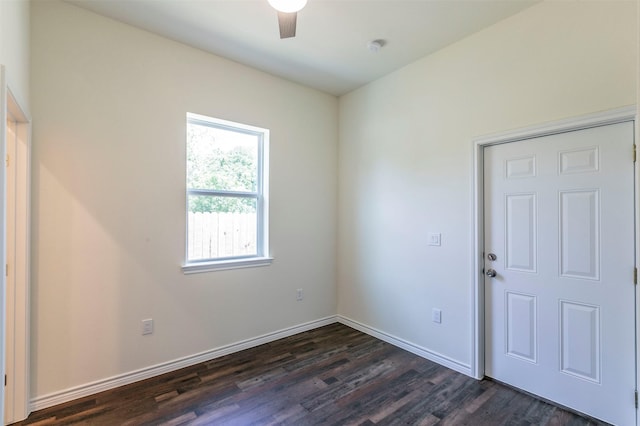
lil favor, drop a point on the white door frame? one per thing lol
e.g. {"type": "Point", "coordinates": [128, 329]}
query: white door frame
{"type": "Point", "coordinates": [15, 330]}
{"type": "Point", "coordinates": [479, 144]}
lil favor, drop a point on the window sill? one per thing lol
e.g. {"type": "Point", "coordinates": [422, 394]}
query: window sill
{"type": "Point", "coordinates": [253, 262]}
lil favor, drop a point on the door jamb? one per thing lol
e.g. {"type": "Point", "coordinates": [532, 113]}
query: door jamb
{"type": "Point", "coordinates": [21, 248]}
{"type": "Point", "coordinates": [3, 251]}
{"type": "Point", "coordinates": [619, 115]}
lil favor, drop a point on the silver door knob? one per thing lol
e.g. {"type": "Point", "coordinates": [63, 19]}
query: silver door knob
{"type": "Point", "coordinates": [491, 273]}
{"type": "Point", "coordinates": [492, 256]}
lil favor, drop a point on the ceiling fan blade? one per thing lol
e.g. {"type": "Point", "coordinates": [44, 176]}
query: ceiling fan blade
{"type": "Point", "coordinates": [287, 22]}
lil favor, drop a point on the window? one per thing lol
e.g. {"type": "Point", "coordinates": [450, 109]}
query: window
{"type": "Point", "coordinates": [227, 178]}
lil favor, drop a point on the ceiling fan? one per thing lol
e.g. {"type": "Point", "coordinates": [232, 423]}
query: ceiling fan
{"type": "Point", "coordinates": [287, 15]}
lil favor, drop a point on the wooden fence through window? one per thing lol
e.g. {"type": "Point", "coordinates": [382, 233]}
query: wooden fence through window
{"type": "Point", "coordinates": [213, 235]}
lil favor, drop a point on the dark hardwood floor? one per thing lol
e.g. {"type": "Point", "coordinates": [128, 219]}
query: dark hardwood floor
{"type": "Point", "coordinates": [333, 375]}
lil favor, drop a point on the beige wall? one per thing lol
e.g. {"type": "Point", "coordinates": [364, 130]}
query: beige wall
{"type": "Point", "coordinates": [14, 48]}
{"type": "Point", "coordinates": [109, 103]}
{"type": "Point", "coordinates": [405, 156]}
{"type": "Point", "coordinates": [109, 108]}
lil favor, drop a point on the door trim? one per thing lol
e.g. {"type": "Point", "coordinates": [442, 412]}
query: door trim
{"type": "Point", "coordinates": [17, 365]}
{"type": "Point", "coordinates": [479, 144]}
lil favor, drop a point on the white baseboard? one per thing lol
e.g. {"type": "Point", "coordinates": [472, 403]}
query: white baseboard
{"type": "Point", "coordinates": [408, 346]}
{"type": "Point", "coordinates": [88, 389]}
{"type": "Point", "coordinates": [81, 391]}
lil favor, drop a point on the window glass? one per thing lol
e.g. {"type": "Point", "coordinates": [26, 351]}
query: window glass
{"type": "Point", "coordinates": [226, 196]}
{"type": "Point", "coordinates": [217, 231]}
{"type": "Point", "coordinates": [221, 159]}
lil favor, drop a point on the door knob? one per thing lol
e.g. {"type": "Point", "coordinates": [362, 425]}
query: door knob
{"type": "Point", "coordinates": [491, 273]}
{"type": "Point", "coordinates": [492, 257]}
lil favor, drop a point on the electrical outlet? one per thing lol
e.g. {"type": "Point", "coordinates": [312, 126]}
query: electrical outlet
{"type": "Point", "coordinates": [147, 326]}
{"type": "Point", "coordinates": [299, 295]}
{"type": "Point", "coordinates": [436, 315]}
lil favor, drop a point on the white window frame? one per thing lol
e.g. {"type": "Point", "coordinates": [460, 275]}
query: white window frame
{"type": "Point", "coordinates": [261, 258]}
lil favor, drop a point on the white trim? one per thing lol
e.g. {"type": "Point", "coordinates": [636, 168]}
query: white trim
{"type": "Point", "coordinates": [92, 388]}
{"type": "Point", "coordinates": [76, 392]}
{"type": "Point", "coordinates": [3, 219]}
{"type": "Point", "coordinates": [408, 346]}
{"type": "Point", "coordinates": [477, 290]}
{"type": "Point", "coordinates": [636, 188]}
{"type": "Point", "coordinates": [18, 281]}
{"type": "Point", "coordinates": [17, 391]}
{"type": "Point", "coordinates": [221, 265]}
{"type": "Point", "coordinates": [261, 196]}
{"type": "Point", "coordinates": [205, 120]}
{"type": "Point", "coordinates": [478, 144]}
{"type": "Point", "coordinates": [603, 118]}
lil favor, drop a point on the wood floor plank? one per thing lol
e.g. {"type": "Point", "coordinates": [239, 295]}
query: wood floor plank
{"type": "Point", "coordinates": [333, 375]}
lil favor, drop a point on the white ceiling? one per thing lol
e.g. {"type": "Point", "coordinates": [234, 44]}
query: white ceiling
{"type": "Point", "coordinates": [329, 52]}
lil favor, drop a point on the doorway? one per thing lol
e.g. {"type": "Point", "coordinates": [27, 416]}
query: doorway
{"type": "Point", "coordinates": [555, 298]}
{"type": "Point", "coordinates": [16, 149]}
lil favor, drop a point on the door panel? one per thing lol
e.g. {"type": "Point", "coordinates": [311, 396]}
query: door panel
{"type": "Point", "coordinates": [559, 217]}
{"type": "Point", "coordinates": [521, 336]}
{"type": "Point", "coordinates": [521, 232]}
{"type": "Point", "coordinates": [579, 234]}
{"type": "Point", "coordinates": [580, 337]}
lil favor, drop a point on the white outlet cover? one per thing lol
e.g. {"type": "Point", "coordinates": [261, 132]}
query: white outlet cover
{"type": "Point", "coordinates": [435, 239]}
{"type": "Point", "coordinates": [436, 315]}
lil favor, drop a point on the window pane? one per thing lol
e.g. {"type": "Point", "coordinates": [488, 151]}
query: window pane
{"type": "Point", "coordinates": [221, 227]}
{"type": "Point", "coordinates": [221, 159]}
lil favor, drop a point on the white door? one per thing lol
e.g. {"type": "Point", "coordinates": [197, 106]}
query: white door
{"type": "Point", "coordinates": [559, 221]}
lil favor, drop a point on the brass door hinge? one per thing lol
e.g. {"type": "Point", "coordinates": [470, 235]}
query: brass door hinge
{"type": "Point", "coordinates": [636, 399]}
{"type": "Point", "coordinates": [635, 276]}
{"type": "Point", "coordinates": [5, 381]}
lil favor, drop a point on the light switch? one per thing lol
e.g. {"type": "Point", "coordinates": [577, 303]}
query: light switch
{"type": "Point", "coordinates": [436, 315]}
{"type": "Point", "coordinates": [434, 239]}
